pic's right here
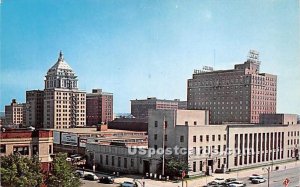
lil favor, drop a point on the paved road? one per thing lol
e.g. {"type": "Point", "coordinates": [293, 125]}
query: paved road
{"type": "Point", "coordinates": [276, 178]}
{"type": "Point", "coordinates": [96, 184]}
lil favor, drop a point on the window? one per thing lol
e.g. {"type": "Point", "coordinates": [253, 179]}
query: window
{"type": "Point", "coordinates": [224, 137]}
{"type": "Point", "coordinates": [213, 137]}
{"type": "Point", "coordinates": [166, 137]}
{"type": "Point", "coordinates": [3, 149]}
{"type": "Point", "coordinates": [155, 124]}
{"type": "Point", "coordinates": [195, 122]}
{"type": "Point", "coordinates": [194, 166]}
{"type": "Point", "coordinates": [35, 150]}
{"type": "Point", "coordinates": [23, 150]}
{"type": "Point", "coordinates": [101, 159]}
{"type": "Point", "coordinates": [132, 162]}
{"type": "Point", "coordinates": [155, 147]}
{"type": "Point", "coordinates": [201, 165]}
{"type": "Point", "coordinates": [194, 150]}
{"type": "Point", "coordinates": [181, 138]}
{"type": "Point", "coordinates": [207, 138]}
{"type": "Point", "coordinates": [112, 160]}
{"type": "Point", "coordinates": [50, 149]}
{"type": "Point", "coordinates": [106, 159]}
{"type": "Point", "coordinates": [166, 124]}
{"type": "Point", "coordinates": [201, 138]}
{"type": "Point", "coordinates": [219, 137]}
{"type": "Point", "coordinates": [119, 161]}
{"type": "Point", "coordinates": [194, 138]}
{"type": "Point", "coordinates": [125, 162]}
{"type": "Point", "coordinates": [186, 123]}
{"type": "Point", "coordinates": [155, 136]}
{"type": "Point", "coordinates": [201, 150]}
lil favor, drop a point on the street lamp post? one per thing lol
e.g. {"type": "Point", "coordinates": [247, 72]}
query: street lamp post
{"type": "Point", "coordinates": [268, 170]}
{"type": "Point", "coordinates": [94, 164]}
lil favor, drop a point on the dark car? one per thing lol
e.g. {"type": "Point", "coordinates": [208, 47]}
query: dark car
{"type": "Point", "coordinates": [106, 180]}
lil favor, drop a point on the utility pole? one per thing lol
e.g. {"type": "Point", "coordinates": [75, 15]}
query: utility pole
{"type": "Point", "coordinates": [268, 169]}
{"type": "Point", "coordinates": [163, 146]}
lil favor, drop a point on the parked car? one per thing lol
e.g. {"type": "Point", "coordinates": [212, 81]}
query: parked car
{"type": "Point", "coordinates": [106, 180]}
{"type": "Point", "coordinates": [82, 173]}
{"type": "Point", "coordinates": [91, 177]}
{"type": "Point", "coordinates": [230, 180]}
{"type": "Point", "coordinates": [213, 184]}
{"type": "Point", "coordinates": [254, 176]}
{"type": "Point", "coordinates": [236, 184]}
{"type": "Point", "coordinates": [128, 184]}
{"type": "Point", "coordinates": [219, 180]}
{"type": "Point", "coordinates": [258, 180]}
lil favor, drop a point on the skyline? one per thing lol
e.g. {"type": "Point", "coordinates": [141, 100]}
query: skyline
{"type": "Point", "coordinates": [141, 49]}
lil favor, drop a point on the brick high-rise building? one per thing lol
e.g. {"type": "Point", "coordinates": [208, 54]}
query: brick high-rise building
{"type": "Point", "coordinates": [234, 95]}
{"type": "Point", "coordinates": [64, 103]}
{"type": "Point", "coordinates": [35, 108]}
{"type": "Point", "coordinates": [99, 107]}
{"type": "Point", "coordinates": [15, 114]}
{"type": "Point", "coordinates": [140, 108]}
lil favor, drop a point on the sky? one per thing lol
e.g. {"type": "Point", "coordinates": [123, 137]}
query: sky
{"type": "Point", "coordinates": [147, 48]}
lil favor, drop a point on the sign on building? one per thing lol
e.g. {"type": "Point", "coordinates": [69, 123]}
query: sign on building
{"type": "Point", "coordinates": [56, 137]}
{"type": "Point", "coordinates": [69, 139]}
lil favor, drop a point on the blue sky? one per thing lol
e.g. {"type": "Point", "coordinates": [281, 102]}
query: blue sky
{"type": "Point", "coordinates": [138, 49]}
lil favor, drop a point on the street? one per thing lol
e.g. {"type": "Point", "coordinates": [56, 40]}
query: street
{"type": "Point", "coordinates": [292, 172]}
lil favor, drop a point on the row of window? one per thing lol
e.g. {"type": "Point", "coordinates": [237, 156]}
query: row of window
{"type": "Point", "coordinates": [203, 163]}
{"type": "Point", "coordinates": [118, 159]}
{"type": "Point", "coordinates": [24, 150]}
{"type": "Point", "coordinates": [213, 138]}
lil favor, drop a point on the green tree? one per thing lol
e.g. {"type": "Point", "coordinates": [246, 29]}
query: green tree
{"type": "Point", "coordinates": [17, 170]}
{"type": "Point", "coordinates": [174, 167]}
{"type": "Point", "coordinates": [63, 173]}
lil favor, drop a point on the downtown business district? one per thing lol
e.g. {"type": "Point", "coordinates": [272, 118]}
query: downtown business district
{"type": "Point", "coordinates": [229, 122]}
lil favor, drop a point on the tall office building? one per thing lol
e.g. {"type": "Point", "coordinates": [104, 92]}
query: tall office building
{"type": "Point", "coordinates": [235, 95]}
{"type": "Point", "coordinates": [34, 108]}
{"type": "Point", "coordinates": [15, 114]}
{"type": "Point", "coordinates": [140, 108]}
{"type": "Point", "coordinates": [64, 103]}
{"type": "Point", "coordinates": [99, 107]}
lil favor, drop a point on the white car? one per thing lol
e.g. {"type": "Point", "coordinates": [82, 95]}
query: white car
{"type": "Point", "coordinates": [219, 180]}
{"type": "Point", "coordinates": [82, 173]}
{"type": "Point", "coordinates": [237, 184]}
{"type": "Point", "coordinates": [254, 176]}
{"type": "Point", "coordinates": [128, 184]}
{"type": "Point", "coordinates": [258, 180]}
{"type": "Point", "coordinates": [91, 176]}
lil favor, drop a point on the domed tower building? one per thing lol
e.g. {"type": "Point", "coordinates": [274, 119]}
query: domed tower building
{"type": "Point", "coordinates": [64, 103]}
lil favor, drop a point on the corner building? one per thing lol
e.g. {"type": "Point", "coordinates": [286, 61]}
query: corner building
{"type": "Point", "coordinates": [236, 95]}
{"type": "Point", "coordinates": [64, 103]}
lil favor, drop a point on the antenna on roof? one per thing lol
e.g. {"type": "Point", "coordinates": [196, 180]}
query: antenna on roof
{"type": "Point", "coordinates": [214, 58]}
{"type": "Point", "coordinates": [253, 56]}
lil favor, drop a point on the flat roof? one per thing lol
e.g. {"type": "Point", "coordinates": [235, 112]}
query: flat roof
{"type": "Point", "coordinates": [93, 130]}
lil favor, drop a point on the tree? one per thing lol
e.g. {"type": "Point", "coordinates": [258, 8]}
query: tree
{"type": "Point", "coordinates": [17, 170]}
{"type": "Point", "coordinates": [174, 167]}
{"type": "Point", "coordinates": [63, 173]}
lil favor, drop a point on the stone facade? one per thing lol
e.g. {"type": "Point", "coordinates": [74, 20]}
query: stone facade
{"type": "Point", "coordinates": [64, 103]}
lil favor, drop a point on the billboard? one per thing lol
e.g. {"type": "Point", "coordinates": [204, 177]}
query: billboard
{"type": "Point", "coordinates": [84, 140]}
{"type": "Point", "coordinates": [56, 137]}
{"type": "Point", "coordinates": [69, 139]}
